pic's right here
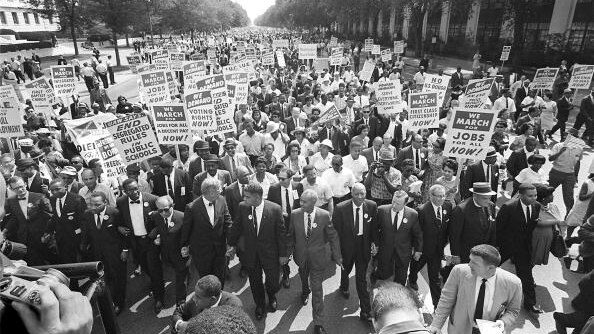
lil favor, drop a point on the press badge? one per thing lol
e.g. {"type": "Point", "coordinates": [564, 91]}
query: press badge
{"type": "Point", "coordinates": [183, 191]}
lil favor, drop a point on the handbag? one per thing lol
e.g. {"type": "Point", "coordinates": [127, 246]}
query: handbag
{"type": "Point", "coordinates": [558, 247]}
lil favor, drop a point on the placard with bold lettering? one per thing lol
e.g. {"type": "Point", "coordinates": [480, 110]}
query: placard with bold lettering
{"type": "Point", "coordinates": [469, 134]}
{"type": "Point", "coordinates": [423, 112]}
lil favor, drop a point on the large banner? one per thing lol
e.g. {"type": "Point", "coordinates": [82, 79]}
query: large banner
{"type": "Point", "coordinates": [581, 76]}
{"type": "Point", "coordinates": [133, 137]}
{"type": "Point", "coordinates": [160, 58]}
{"type": "Point", "coordinates": [64, 80]}
{"type": "Point", "coordinates": [171, 123]}
{"type": "Point", "coordinates": [469, 134]}
{"type": "Point", "coordinates": [423, 112]}
{"type": "Point", "coordinates": [308, 51]}
{"type": "Point", "coordinates": [134, 61]}
{"type": "Point", "coordinates": [155, 87]}
{"type": "Point", "coordinates": [389, 97]}
{"type": "Point", "coordinates": [438, 84]}
{"type": "Point", "coordinates": [11, 116]}
{"type": "Point", "coordinates": [237, 86]}
{"type": "Point", "coordinates": [544, 78]}
{"type": "Point", "coordinates": [42, 96]}
{"type": "Point", "coordinates": [476, 94]}
{"type": "Point", "coordinates": [330, 114]}
{"type": "Point", "coordinates": [176, 61]}
{"type": "Point", "coordinates": [367, 71]}
{"type": "Point", "coordinates": [280, 43]}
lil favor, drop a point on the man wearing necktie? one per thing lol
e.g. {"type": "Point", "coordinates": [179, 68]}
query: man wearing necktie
{"type": "Point", "coordinates": [261, 226]}
{"type": "Point", "coordinates": [397, 235]}
{"type": "Point", "coordinates": [478, 290]}
{"type": "Point", "coordinates": [310, 229]}
{"type": "Point", "coordinates": [516, 220]}
{"type": "Point", "coordinates": [65, 224]}
{"type": "Point", "coordinates": [416, 152]}
{"type": "Point", "coordinates": [486, 170]}
{"type": "Point", "coordinates": [233, 160]}
{"type": "Point", "coordinates": [135, 208]}
{"type": "Point", "coordinates": [25, 220]}
{"type": "Point", "coordinates": [166, 234]}
{"type": "Point", "coordinates": [434, 218]}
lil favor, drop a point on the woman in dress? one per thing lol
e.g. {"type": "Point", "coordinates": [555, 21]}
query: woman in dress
{"type": "Point", "coordinates": [526, 131]}
{"type": "Point", "coordinates": [323, 159]}
{"type": "Point", "coordinates": [549, 218]}
{"type": "Point", "coordinates": [295, 161]}
{"type": "Point", "coordinates": [435, 159]}
{"type": "Point", "coordinates": [548, 114]}
{"type": "Point", "coordinates": [531, 173]}
{"type": "Point", "coordinates": [448, 180]}
{"type": "Point", "coordinates": [262, 177]}
{"type": "Point", "coordinates": [476, 60]}
{"type": "Point", "coordinates": [575, 217]}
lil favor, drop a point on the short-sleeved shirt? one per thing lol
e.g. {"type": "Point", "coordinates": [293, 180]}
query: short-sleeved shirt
{"type": "Point", "coordinates": [379, 189]}
{"type": "Point", "coordinates": [566, 161]}
{"type": "Point", "coordinates": [320, 163]}
{"type": "Point", "coordinates": [252, 145]}
{"type": "Point", "coordinates": [340, 183]}
{"type": "Point", "coordinates": [358, 167]}
{"type": "Point", "coordinates": [322, 189]}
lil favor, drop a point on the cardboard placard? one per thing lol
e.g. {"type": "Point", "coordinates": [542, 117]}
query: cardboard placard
{"type": "Point", "coordinates": [423, 111]}
{"type": "Point", "coordinates": [469, 133]}
{"type": "Point", "coordinates": [171, 123]}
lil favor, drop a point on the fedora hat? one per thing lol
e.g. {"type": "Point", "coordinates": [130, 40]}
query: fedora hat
{"type": "Point", "coordinates": [271, 127]}
{"type": "Point", "coordinates": [230, 142]}
{"type": "Point", "coordinates": [491, 152]}
{"type": "Point", "coordinates": [69, 170]}
{"type": "Point", "coordinates": [482, 188]}
{"type": "Point", "coordinates": [298, 129]}
{"type": "Point", "coordinates": [327, 142]}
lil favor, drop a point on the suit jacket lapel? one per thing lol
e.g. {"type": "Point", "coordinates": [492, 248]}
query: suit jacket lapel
{"type": "Point", "coordinates": [499, 295]}
{"type": "Point", "coordinates": [351, 219]}
{"type": "Point", "coordinates": [263, 219]}
{"type": "Point", "coordinates": [470, 286]}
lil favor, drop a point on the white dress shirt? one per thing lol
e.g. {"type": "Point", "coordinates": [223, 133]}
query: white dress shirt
{"type": "Point", "coordinates": [99, 217]}
{"type": "Point", "coordinates": [137, 217]}
{"type": "Point", "coordinates": [437, 209]}
{"type": "Point", "coordinates": [524, 206]}
{"type": "Point", "coordinates": [23, 204]}
{"type": "Point", "coordinates": [306, 216]}
{"type": "Point", "coordinates": [489, 292]}
{"type": "Point", "coordinates": [360, 231]}
{"type": "Point", "coordinates": [284, 198]}
{"type": "Point", "coordinates": [209, 210]}
{"type": "Point", "coordinates": [259, 211]}
{"type": "Point", "coordinates": [400, 217]}
{"type": "Point", "coordinates": [59, 204]}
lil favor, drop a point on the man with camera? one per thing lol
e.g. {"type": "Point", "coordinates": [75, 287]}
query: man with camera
{"type": "Point", "coordinates": [383, 179]}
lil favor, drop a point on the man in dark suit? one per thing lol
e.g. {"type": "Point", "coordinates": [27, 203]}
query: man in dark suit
{"type": "Point", "coordinates": [232, 160]}
{"type": "Point", "coordinates": [205, 231]}
{"type": "Point", "coordinates": [286, 194]}
{"type": "Point", "coordinates": [564, 107]}
{"type": "Point", "coordinates": [472, 222]}
{"type": "Point", "coordinates": [521, 93]}
{"type": "Point", "coordinates": [398, 234]}
{"type": "Point", "coordinates": [167, 225]}
{"type": "Point", "coordinates": [586, 116]}
{"type": "Point", "coordinates": [457, 78]}
{"type": "Point", "coordinates": [65, 223]}
{"type": "Point", "coordinates": [375, 125]}
{"type": "Point", "coordinates": [135, 208]}
{"type": "Point", "coordinates": [295, 121]}
{"type": "Point", "coordinates": [309, 233]}
{"type": "Point", "coordinates": [372, 153]}
{"type": "Point", "coordinates": [25, 221]}
{"type": "Point", "coordinates": [417, 153]}
{"type": "Point", "coordinates": [173, 182]}
{"type": "Point", "coordinates": [518, 160]}
{"type": "Point", "coordinates": [212, 171]}
{"type": "Point", "coordinates": [33, 180]}
{"type": "Point", "coordinates": [481, 171]}
{"type": "Point", "coordinates": [516, 220]}
{"type": "Point", "coordinates": [208, 293]}
{"type": "Point", "coordinates": [261, 226]}
{"type": "Point", "coordinates": [434, 218]}
{"type": "Point", "coordinates": [197, 166]}
{"type": "Point", "coordinates": [354, 221]}
{"type": "Point", "coordinates": [101, 236]}
{"type": "Point", "coordinates": [583, 308]}
{"type": "Point", "coordinates": [340, 139]}
{"type": "Point", "coordinates": [350, 111]}
{"type": "Point", "coordinates": [234, 192]}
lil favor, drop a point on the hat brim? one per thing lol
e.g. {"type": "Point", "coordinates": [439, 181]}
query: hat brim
{"type": "Point", "coordinates": [490, 193]}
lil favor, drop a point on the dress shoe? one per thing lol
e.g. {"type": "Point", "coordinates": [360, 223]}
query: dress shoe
{"type": "Point", "coordinates": [364, 316]}
{"type": "Point", "coordinates": [304, 298]}
{"type": "Point", "coordinates": [117, 310]}
{"type": "Point", "coordinates": [345, 293]}
{"type": "Point", "coordinates": [286, 283]}
{"type": "Point", "coordinates": [272, 305]}
{"type": "Point", "coordinates": [559, 323]}
{"type": "Point", "coordinates": [319, 329]}
{"type": "Point", "coordinates": [259, 313]}
{"type": "Point", "coordinates": [534, 309]}
{"type": "Point", "coordinates": [158, 307]}
{"type": "Point", "coordinates": [413, 285]}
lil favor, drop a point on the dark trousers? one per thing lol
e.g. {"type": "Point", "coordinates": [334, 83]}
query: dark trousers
{"type": "Point", "coordinates": [575, 320]}
{"type": "Point", "coordinates": [341, 199]}
{"type": "Point", "coordinates": [567, 181]}
{"type": "Point", "coordinates": [19, 75]}
{"type": "Point", "coordinates": [181, 273]}
{"type": "Point", "coordinates": [148, 258]}
{"type": "Point", "coordinates": [111, 76]}
{"type": "Point", "coordinates": [560, 125]}
{"type": "Point", "coordinates": [400, 272]}
{"type": "Point", "coordinates": [115, 277]}
{"type": "Point", "coordinates": [524, 272]}
{"type": "Point", "coordinates": [271, 286]}
{"type": "Point", "coordinates": [104, 80]}
{"type": "Point", "coordinates": [88, 82]}
{"type": "Point", "coordinates": [68, 250]}
{"type": "Point", "coordinates": [215, 264]}
{"type": "Point", "coordinates": [360, 264]}
{"type": "Point", "coordinates": [580, 120]}
{"type": "Point", "coordinates": [433, 267]}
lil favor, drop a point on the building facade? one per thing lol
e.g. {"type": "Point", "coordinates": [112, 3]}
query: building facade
{"type": "Point", "coordinates": [16, 15]}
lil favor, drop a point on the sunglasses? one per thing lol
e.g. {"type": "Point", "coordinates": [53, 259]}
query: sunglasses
{"type": "Point", "coordinates": [163, 210]}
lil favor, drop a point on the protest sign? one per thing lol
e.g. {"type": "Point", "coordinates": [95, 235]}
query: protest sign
{"type": "Point", "coordinates": [192, 71]}
{"type": "Point", "coordinates": [280, 58]}
{"type": "Point", "coordinates": [469, 134]}
{"type": "Point", "coordinates": [376, 49]}
{"type": "Point", "coordinates": [176, 61]}
{"type": "Point", "coordinates": [477, 93]}
{"type": "Point", "coordinates": [171, 83]}
{"type": "Point", "coordinates": [160, 58]}
{"type": "Point", "coordinates": [398, 47]}
{"type": "Point", "coordinates": [155, 87]}
{"type": "Point", "coordinates": [134, 61]}
{"type": "Point", "coordinates": [11, 116]}
{"type": "Point", "coordinates": [211, 53]}
{"type": "Point", "coordinates": [386, 55]}
{"type": "Point", "coordinates": [42, 96]}
{"type": "Point", "coordinates": [368, 44]}
{"type": "Point", "coordinates": [146, 68]}
{"type": "Point", "coordinates": [505, 53]}
{"type": "Point", "coordinates": [336, 57]}
{"type": "Point", "coordinates": [133, 137]}
{"type": "Point", "coordinates": [223, 109]}
{"type": "Point", "coordinates": [321, 65]}
{"type": "Point", "coordinates": [171, 123]}
{"type": "Point", "coordinates": [581, 76]}
{"type": "Point", "coordinates": [280, 43]}
{"type": "Point", "coordinates": [108, 154]}
{"type": "Point", "coordinates": [333, 41]}
{"type": "Point", "coordinates": [240, 47]}
{"type": "Point", "coordinates": [423, 112]}
{"type": "Point", "coordinates": [389, 97]}
{"type": "Point", "coordinates": [209, 109]}
{"type": "Point", "coordinates": [367, 71]}
{"type": "Point", "coordinates": [330, 114]}
{"type": "Point", "coordinates": [544, 78]}
{"type": "Point", "coordinates": [64, 80]}
{"type": "Point", "coordinates": [250, 53]}
{"type": "Point", "coordinates": [197, 56]}
{"type": "Point", "coordinates": [239, 82]}
{"type": "Point", "coordinates": [438, 84]}
{"type": "Point", "coordinates": [268, 58]}
{"type": "Point", "coordinates": [200, 111]}
{"type": "Point", "coordinates": [308, 51]}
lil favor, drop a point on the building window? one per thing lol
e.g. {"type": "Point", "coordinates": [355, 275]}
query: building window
{"type": "Point", "coordinates": [2, 18]}
{"type": "Point", "coordinates": [15, 18]}
{"type": "Point", "coordinates": [26, 17]}
{"type": "Point", "coordinates": [36, 17]}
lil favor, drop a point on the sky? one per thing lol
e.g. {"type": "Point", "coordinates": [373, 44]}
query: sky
{"type": "Point", "coordinates": [255, 7]}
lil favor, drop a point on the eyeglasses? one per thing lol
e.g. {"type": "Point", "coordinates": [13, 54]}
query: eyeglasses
{"type": "Point", "coordinates": [163, 210]}
{"type": "Point", "coordinates": [17, 188]}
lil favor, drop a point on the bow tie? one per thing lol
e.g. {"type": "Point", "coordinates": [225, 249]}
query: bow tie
{"type": "Point", "coordinates": [135, 202]}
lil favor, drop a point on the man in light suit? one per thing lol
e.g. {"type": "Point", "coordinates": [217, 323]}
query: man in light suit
{"type": "Point", "coordinates": [398, 233]}
{"type": "Point", "coordinates": [212, 171]}
{"type": "Point", "coordinates": [205, 231]}
{"type": "Point", "coordinates": [261, 226]}
{"type": "Point", "coordinates": [208, 293]}
{"type": "Point", "coordinates": [309, 231]}
{"type": "Point", "coordinates": [232, 160]}
{"type": "Point", "coordinates": [354, 221]}
{"type": "Point", "coordinates": [478, 290]}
